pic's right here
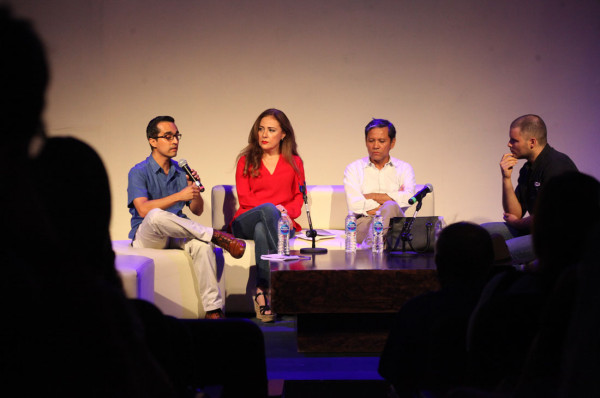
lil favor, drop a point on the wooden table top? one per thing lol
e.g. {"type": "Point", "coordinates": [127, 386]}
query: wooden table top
{"type": "Point", "coordinates": [338, 283]}
{"type": "Point", "coordinates": [361, 260]}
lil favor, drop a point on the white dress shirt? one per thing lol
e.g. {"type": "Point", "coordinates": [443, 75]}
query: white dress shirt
{"type": "Point", "coordinates": [362, 177]}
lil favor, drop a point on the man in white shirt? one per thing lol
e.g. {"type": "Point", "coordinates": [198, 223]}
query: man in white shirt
{"type": "Point", "coordinates": [378, 182]}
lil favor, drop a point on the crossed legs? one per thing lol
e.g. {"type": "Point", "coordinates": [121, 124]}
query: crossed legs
{"type": "Point", "coordinates": [163, 230]}
{"type": "Point", "coordinates": [260, 225]}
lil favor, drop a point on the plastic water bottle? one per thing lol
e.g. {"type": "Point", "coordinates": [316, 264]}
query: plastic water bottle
{"type": "Point", "coordinates": [283, 234]}
{"type": "Point", "coordinates": [350, 233]}
{"type": "Point", "coordinates": [377, 233]}
{"type": "Point", "coordinates": [350, 260]}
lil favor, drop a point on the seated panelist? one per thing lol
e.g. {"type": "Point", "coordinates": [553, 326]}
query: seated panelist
{"type": "Point", "coordinates": [378, 181]}
{"type": "Point", "coordinates": [527, 140]}
{"type": "Point", "coordinates": [268, 177]}
{"type": "Point", "coordinates": [158, 190]}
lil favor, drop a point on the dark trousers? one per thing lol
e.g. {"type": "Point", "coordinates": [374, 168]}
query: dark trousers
{"type": "Point", "coordinates": [260, 225]}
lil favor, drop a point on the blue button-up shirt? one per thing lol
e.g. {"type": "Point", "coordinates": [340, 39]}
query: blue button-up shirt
{"type": "Point", "coordinates": [148, 180]}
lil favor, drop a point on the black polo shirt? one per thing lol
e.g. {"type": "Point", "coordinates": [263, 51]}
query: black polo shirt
{"type": "Point", "coordinates": [532, 177]}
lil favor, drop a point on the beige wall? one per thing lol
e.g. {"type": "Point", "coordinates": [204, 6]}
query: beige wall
{"type": "Point", "coordinates": [450, 75]}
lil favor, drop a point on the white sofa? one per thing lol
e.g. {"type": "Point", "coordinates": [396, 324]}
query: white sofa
{"type": "Point", "coordinates": [175, 290]}
{"type": "Point", "coordinates": [175, 286]}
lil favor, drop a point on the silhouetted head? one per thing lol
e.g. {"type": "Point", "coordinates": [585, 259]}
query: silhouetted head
{"type": "Point", "coordinates": [464, 254]}
{"type": "Point", "coordinates": [24, 74]}
{"type": "Point", "coordinates": [559, 234]}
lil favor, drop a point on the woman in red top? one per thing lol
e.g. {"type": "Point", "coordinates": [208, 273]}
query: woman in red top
{"type": "Point", "coordinates": [268, 177]}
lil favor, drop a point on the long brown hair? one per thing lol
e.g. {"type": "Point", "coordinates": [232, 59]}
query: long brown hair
{"type": "Point", "coordinates": [253, 152]}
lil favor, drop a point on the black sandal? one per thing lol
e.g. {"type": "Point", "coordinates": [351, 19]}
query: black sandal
{"type": "Point", "coordinates": [261, 309]}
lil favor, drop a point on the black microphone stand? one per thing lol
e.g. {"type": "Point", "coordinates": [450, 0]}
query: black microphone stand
{"type": "Point", "coordinates": [406, 235]}
{"type": "Point", "coordinates": [311, 233]}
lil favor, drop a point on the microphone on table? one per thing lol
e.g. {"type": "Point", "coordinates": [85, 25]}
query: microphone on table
{"type": "Point", "coordinates": [421, 194]}
{"type": "Point", "coordinates": [405, 234]}
{"type": "Point", "coordinates": [310, 233]}
{"type": "Point", "coordinates": [183, 164]}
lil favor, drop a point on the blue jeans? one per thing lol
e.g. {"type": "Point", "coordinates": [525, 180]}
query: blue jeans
{"type": "Point", "coordinates": [260, 225]}
{"type": "Point", "coordinates": [520, 244]}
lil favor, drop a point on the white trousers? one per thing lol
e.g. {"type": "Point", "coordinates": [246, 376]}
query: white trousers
{"type": "Point", "coordinates": [163, 230]}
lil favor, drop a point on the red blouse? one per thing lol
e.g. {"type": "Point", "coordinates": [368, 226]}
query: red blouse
{"type": "Point", "coordinates": [280, 188]}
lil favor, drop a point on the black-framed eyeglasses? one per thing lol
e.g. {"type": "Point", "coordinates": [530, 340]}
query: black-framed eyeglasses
{"type": "Point", "coordinates": [169, 137]}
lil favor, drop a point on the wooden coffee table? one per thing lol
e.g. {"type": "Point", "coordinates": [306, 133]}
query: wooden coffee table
{"type": "Point", "coordinates": [346, 303]}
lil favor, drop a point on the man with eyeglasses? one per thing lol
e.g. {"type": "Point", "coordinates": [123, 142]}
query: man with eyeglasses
{"type": "Point", "coordinates": [157, 191]}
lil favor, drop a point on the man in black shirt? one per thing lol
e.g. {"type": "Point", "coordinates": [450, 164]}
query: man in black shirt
{"type": "Point", "coordinates": [527, 140]}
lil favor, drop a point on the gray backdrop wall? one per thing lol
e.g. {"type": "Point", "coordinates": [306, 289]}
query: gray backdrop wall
{"type": "Point", "coordinates": [451, 75]}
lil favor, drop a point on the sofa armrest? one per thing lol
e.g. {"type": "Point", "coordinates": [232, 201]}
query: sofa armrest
{"type": "Point", "coordinates": [224, 204]}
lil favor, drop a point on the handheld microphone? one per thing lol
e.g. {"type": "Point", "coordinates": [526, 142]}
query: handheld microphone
{"type": "Point", "coordinates": [183, 164]}
{"type": "Point", "coordinates": [421, 194]}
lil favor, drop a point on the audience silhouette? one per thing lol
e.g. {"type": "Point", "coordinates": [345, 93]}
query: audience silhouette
{"type": "Point", "coordinates": [425, 351]}
{"type": "Point", "coordinates": [580, 362]}
{"type": "Point", "coordinates": [69, 329]}
{"type": "Point", "coordinates": [66, 332]}
{"type": "Point", "coordinates": [560, 243]}
{"type": "Point", "coordinates": [522, 335]}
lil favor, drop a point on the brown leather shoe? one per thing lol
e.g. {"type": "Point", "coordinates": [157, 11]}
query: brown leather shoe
{"type": "Point", "coordinates": [235, 247]}
{"type": "Point", "coordinates": [214, 314]}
